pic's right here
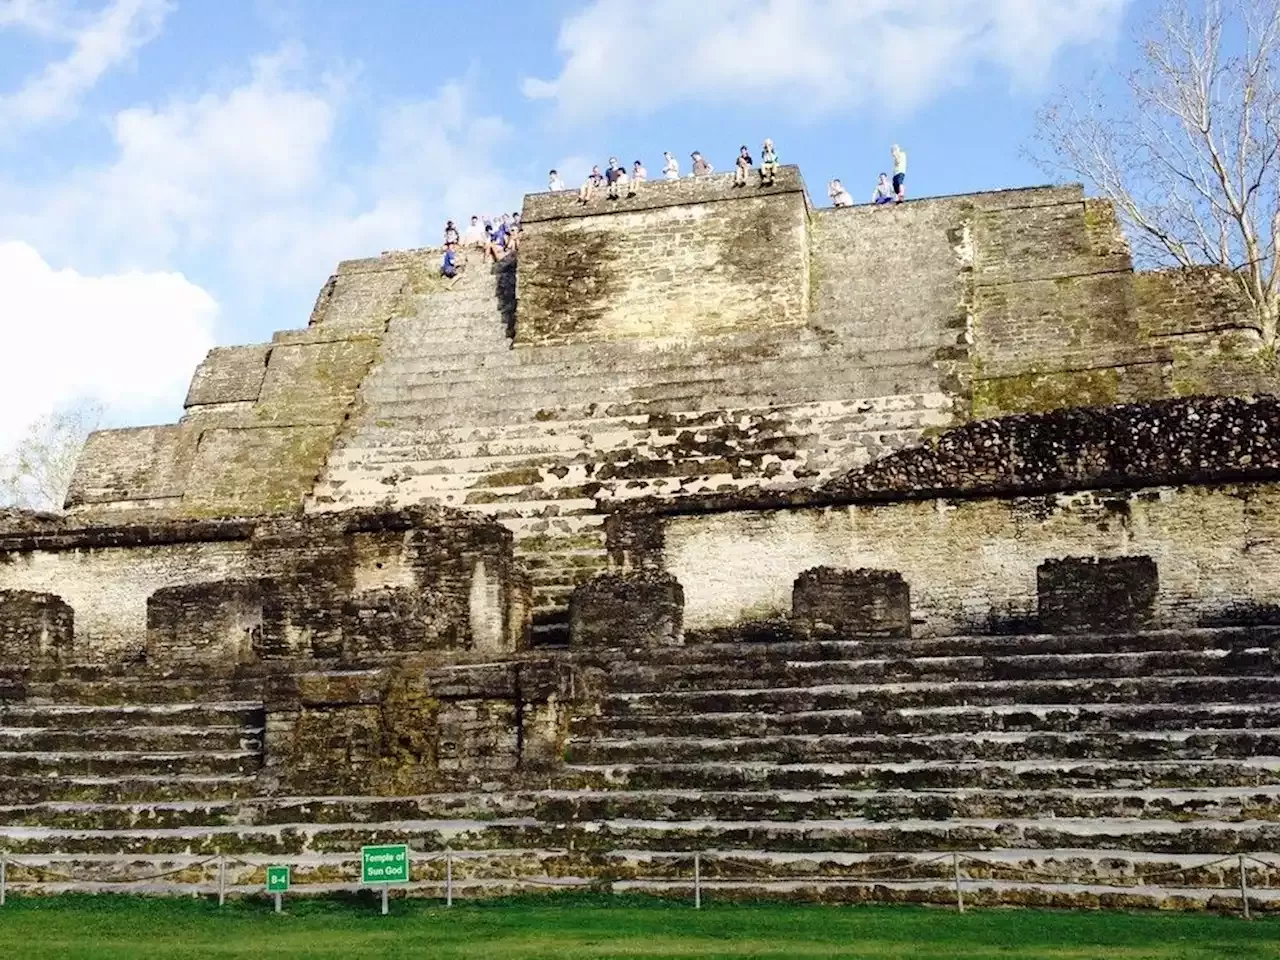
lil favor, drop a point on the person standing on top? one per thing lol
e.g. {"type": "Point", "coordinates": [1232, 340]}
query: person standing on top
{"type": "Point", "coordinates": [838, 194]}
{"type": "Point", "coordinates": [670, 166]}
{"type": "Point", "coordinates": [742, 166]}
{"type": "Point", "coordinates": [554, 183]}
{"type": "Point", "coordinates": [594, 181]}
{"type": "Point", "coordinates": [884, 191]}
{"type": "Point", "coordinates": [616, 176]}
{"type": "Point", "coordinates": [638, 176]}
{"type": "Point", "coordinates": [768, 163]}
{"type": "Point", "coordinates": [450, 233]}
{"type": "Point", "coordinates": [700, 166]}
{"type": "Point", "coordinates": [899, 172]}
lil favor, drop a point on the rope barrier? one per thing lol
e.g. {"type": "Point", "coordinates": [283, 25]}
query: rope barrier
{"type": "Point", "coordinates": [761, 871]}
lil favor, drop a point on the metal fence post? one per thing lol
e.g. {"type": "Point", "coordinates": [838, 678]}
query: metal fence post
{"type": "Point", "coordinates": [697, 880]}
{"type": "Point", "coordinates": [222, 879]}
{"type": "Point", "coordinates": [4, 876]}
{"type": "Point", "coordinates": [384, 899]}
{"type": "Point", "coordinates": [448, 878]}
{"type": "Point", "coordinates": [955, 864]}
{"type": "Point", "coordinates": [1244, 890]}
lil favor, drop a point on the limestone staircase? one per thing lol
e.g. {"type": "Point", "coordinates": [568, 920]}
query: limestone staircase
{"type": "Point", "coordinates": [1122, 770]}
{"type": "Point", "coordinates": [97, 735]}
{"type": "Point", "coordinates": [1098, 760]}
{"type": "Point", "coordinates": [456, 413]}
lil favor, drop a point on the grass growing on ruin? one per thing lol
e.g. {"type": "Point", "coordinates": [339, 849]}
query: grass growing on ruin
{"type": "Point", "coordinates": [581, 927]}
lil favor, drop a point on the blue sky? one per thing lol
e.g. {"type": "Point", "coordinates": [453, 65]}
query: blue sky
{"type": "Point", "coordinates": [179, 173]}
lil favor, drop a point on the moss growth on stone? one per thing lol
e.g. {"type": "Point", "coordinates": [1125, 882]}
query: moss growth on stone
{"type": "Point", "coordinates": [1034, 392]}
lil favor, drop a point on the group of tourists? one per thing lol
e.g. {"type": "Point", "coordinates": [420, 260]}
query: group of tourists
{"type": "Point", "coordinates": [616, 180]}
{"type": "Point", "coordinates": [493, 238]}
{"type": "Point", "coordinates": [887, 191]}
{"type": "Point", "coordinates": [496, 237]}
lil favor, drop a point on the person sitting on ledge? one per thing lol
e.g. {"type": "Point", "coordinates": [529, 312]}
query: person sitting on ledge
{"type": "Point", "coordinates": [451, 266]}
{"type": "Point", "coordinates": [742, 166]}
{"type": "Point", "coordinates": [700, 166]}
{"type": "Point", "coordinates": [884, 191]}
{"type": "Point", "coordinates": [638, 176]}
{"type": "Point", "coordinates": [670, 166]}
{"type": "Point", "coordinates": [512, 225]}
{"type": "Point", "coordinates": [615, 175]}
{"type": "Point", "coordinates": [838, 194]}
{"type": "Point", "coordinates": [594, 181]}
{"type": "Point", "coordinates": [554, 183]}
{"type": "Point", "coordinates": [768, 164]}
{"type": "Point", "coordinates": [450, 233]}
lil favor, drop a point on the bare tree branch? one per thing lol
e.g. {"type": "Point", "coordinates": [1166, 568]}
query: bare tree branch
{"type": "Point", "coordinates": [35, 475]}
{"type": "Point", "coordinates": [1189, 153]}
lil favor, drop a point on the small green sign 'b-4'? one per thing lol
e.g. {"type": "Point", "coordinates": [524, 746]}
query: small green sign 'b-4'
{"type": "Point", "coordinates": [387, 864]}
{"type": "Point", "coordinates": [277, 879]}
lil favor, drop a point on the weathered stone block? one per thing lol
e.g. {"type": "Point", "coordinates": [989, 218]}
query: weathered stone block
{"type": "Point", "coordinates": [678, 260]}
{"type": "Point", "coordinates": [622, 609]}
{"type": "Point", "coordinates": [34, 628]}
{"type": "Point", "coordinates": [1080, 594]}
{"type": "Point", "coordinates": [860, 601]}
{"type": "Point", "coordinates": [214, 624]}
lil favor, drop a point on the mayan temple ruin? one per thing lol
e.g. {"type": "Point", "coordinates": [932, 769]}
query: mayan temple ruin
{"type": "Point", "coordinates": [827, 543]}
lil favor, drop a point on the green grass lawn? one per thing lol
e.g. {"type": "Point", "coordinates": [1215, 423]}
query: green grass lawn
{"type": "Point", "coordinates": [116, 928]}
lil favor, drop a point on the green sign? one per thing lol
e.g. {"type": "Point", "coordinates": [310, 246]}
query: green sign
{"type": "Point", "coordinates": [277, 879]}
{"type": "Point", "coordinates": [389, 864]}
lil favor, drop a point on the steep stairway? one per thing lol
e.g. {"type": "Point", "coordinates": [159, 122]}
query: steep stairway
{"type": "Point", "coordinates": [456, 413]}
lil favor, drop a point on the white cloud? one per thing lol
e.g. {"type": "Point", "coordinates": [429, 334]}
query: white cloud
{"type": "Point", "coordinates": [42, 17]}
{"type": "Point", "coordinates": [253, 177]}
{"type": "Point", "coordinates": [809, 55]}
{"type": "Point", "coordinates": [99, 44]}
{"type": "Point", "coordinates": [129, 340]}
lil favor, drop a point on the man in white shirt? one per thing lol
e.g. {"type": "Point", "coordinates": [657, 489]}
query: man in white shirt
{"type": "Point", "coordinates": [670, 166]}
{"type": "Point", "coordinates": [838, 194]}
{"type": "Point", "coordinates": [638, 176]}
{"type": "Point", "coordinates": [554, 183]}
{"type": "Point", "coordinates": [474, 237]}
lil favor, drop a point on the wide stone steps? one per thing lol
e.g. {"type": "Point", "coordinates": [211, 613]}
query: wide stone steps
{"type": "Point", "coordinates": [851, 835]}
{"type": "Point", "coordinates": [885, 697]}
{"type": "Point", "coordinates": [786, 644]}
{"type": "Point", "coordinates": [157, 739]}
{"type": "Point", "coordinates": [695, 386]}
{"type": "Point", "coordinates": [127, 763]}
{"type": "Point", "coordinates": [617, 431]}
{"type": "Point", "coordinates": [763, 674]}
{"type": "Point", "coordinates": [1161, 745]}
{"type": "Point", "coordinates": [161, 787]}
{"type": "Point", "coordinates": [80, 716]}
{"type": "Point", "coordinates": [523, 366]}
{"type": "Point", "coordinates": [1024, 718]}
{"type": "Point", "coordinates": [1024, 775]}
{"type": "Point", "coordinates": [582, 806]}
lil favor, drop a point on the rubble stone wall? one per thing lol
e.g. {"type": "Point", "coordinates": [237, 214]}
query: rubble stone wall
{"type": "Point", "coordinates": [352, 587]}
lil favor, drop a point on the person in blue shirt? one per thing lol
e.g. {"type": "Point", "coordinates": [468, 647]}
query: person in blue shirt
{"type": "Point", "coordinates": [451, 266]}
